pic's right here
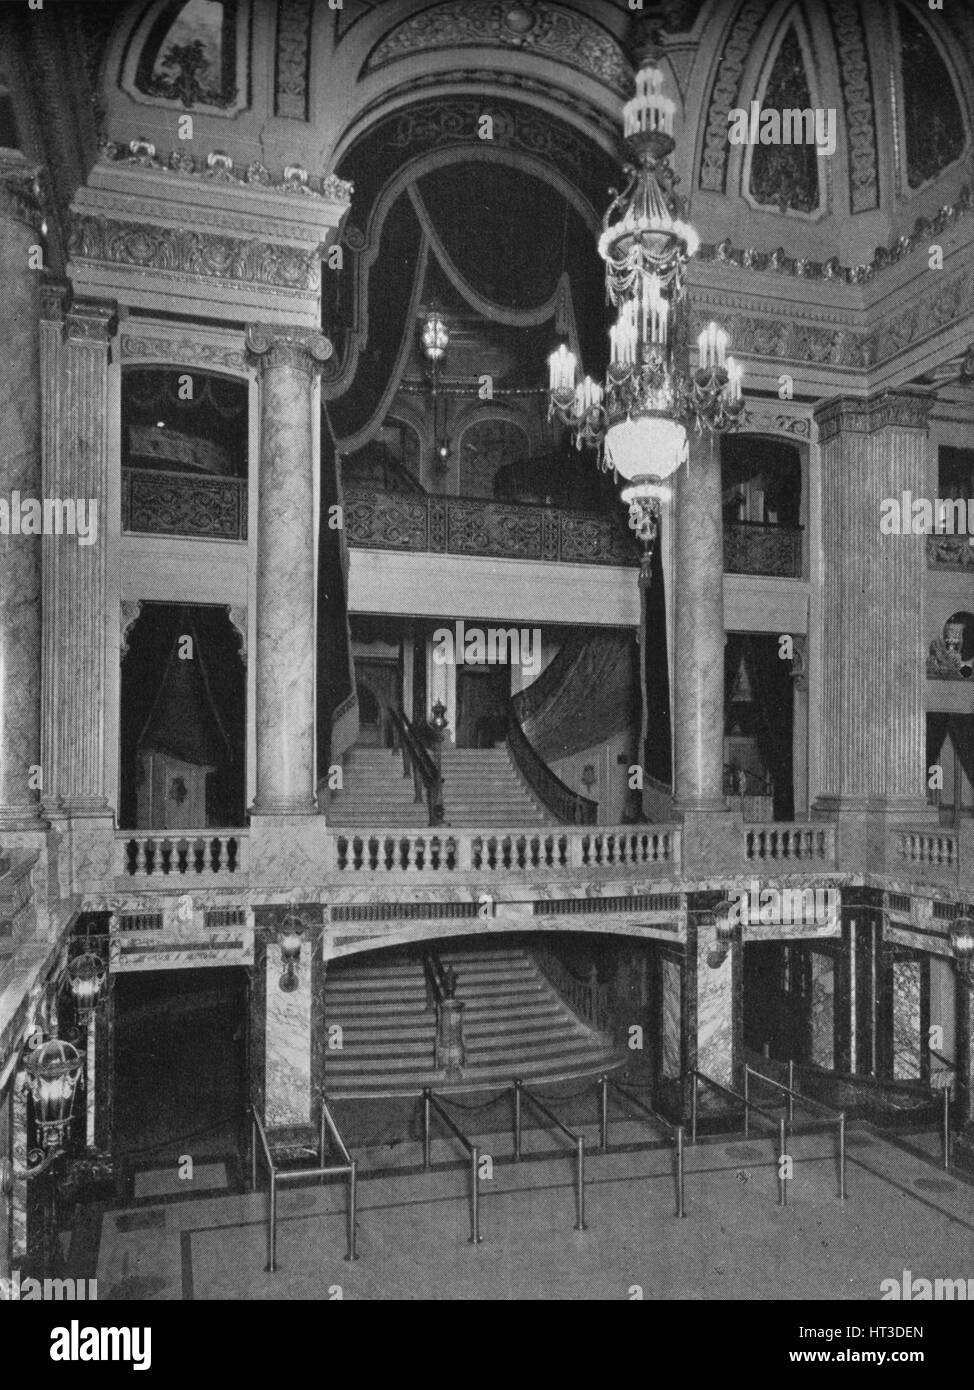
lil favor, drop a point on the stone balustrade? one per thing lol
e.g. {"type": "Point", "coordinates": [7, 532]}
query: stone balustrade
{"type": "Point", "coordinates": [167, 857]}
{"type": "Point", "coordinates": [801, 843]}
{"type": "Point", "coordinates": [924, 852]}
{"type": "Point", "coordinates": [647, 849]}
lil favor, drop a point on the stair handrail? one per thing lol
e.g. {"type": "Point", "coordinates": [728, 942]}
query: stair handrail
{"type": "Point", "coordinates": [569, 807]}
{"type": "Point", "coordinates": [418, 762]}
{"type": "Point", "coordinates": [449, 1049]}
{"type": "Point", "coordinates": [589, 999]}
{"type": "Point", "coordinates": [529, 700]}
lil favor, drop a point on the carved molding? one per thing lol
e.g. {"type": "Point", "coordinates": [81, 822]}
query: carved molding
{"type": "Point", "coordinates": [238, 620]}
{"type": "Point", "coordinates": [767, 422]}
{"type": "Point", "coordinates": [178, 251]}
{"type": "Point", "coordinates": [54, 299]}
{"type": "Point", "coordinates": [182, 351]}
{"type": "Point", "coordinates": [778, 262]}
{"type": "Point", "coordinates": [130, 614]}
{"type": "Point", "coordinates": [293, 49]}
{"type": "Point", "coordinates": [219, 167]}
{"type": "Point", "coordinates": [20, 190]}
{"type": "Point", "coordinates": [737, 50]}
{"type": "Point", "coordinates": [537, 28]}
{"type": "Point", "coordinates": [91, 321]}
{"type": "Point", "coordinates": [300, 348]}
{"type": "Point", "coordinates": [857, 94]}
{"type": "Point", "coordinates": [889, 409]}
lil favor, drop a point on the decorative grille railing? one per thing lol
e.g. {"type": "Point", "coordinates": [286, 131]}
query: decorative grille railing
{"type": "Point", "coordinates": [751, 547]}
{"type": "Point", "coordinates": [161, 502]}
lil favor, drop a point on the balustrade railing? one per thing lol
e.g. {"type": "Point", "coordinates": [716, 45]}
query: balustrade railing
{"type": "Point", "coordinates": [755, 547]}
{"type": "Point", "coordinates": [164, 502]}
{"type": "Point", "coordinates": [567, 806]}
{"type": "Point", "coordinates": [926, 848]}
{"type": "Point", "coordinates": [649, 848]}
{"type": "Point", "coordinates": [777, 843]}
{"type": "Point", "coordinates": [588, 998]}
{"type": "Point", "coordinates": [188, 854]}
{"type": "Point", "coordinates": [420, 764]}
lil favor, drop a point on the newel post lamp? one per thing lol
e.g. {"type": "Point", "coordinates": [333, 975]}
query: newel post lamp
{"type": "Point", "coordinates": [86, 976]}
{"type": "Point", "coordinates": [962, 945]}
{"type": "Point", "coordinates": [53, 1071]}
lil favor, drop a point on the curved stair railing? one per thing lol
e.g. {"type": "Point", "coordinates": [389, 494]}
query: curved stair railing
{"type": "Point", "coordinates": [587, 998]}
{"type": "Point", "coordinates": [567, 806]}
{"type": "Point", "coordinates": [419, 763]}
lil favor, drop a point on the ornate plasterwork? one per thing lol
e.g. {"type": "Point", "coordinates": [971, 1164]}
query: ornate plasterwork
{"type": "Point", "coordinates": [90, 321]}
{"type": "Point", "coordinates": [173, 249]}
{"type": "Point", "coordinates": [187, 352]}
{"type": "Point", "coordinates": [219, 167]}
{"type": "Point", "coordinates": [300, 348]}
{"type": "Point", "coordinates": [779, 262]}
{"type": "Point", "coordinates": [857, 93]}
{"type": "Point", "coordinates": [533, 27]}
{"type": "Point", "coordinates": [20, 190]}
{"type": "Point", "coordinates": [131, 611]}
{"type": "Point", "coordinates": [766, 422]}
{"type": "Point", "coordinates": [737, 50]}
{"type": "Point", "coordinates": [865, 415]}
{"type": "Point", "coordinates": [293, 56]}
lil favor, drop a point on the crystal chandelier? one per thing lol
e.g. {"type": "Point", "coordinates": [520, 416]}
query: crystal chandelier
{"type": "Point", "coordinates": [638, 419]}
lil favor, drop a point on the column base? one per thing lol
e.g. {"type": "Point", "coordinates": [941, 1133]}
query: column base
{"type": "Point", "coordinates": [288, 853]}
{"type": "Point", "coordinates": [712, 843]}
{"type": "Point", "coordinates": [863, 825]}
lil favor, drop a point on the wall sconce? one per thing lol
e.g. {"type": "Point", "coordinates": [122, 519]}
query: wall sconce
{"type": "Point", "coordinates": [86, 976]}
{"type": "Point", "coordinates": [726, 925]}
{"type": "Point", "coordinates": [290, 935]}
{"type": "Point", "coordinates": [53, 1072]}
{"type": "Point", "coordinates": [962, 945]}
{"type": "Point", "coordinates": [589, 777]}
{"type": "Point", "coordinates": [438, 719]}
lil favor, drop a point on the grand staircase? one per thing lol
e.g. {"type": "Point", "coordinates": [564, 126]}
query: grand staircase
{"type": "Point", "coordinates": [375, 794]}
{"type": "Point", "coordinates": [481, 787]}
{"type": "Point", "coordinates": [515, 1025]}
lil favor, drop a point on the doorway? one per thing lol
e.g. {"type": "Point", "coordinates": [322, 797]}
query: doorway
{"type": "Point", "coordinates": [180, 1078]}
{"type": "Point", "coordinates": [483, 699]}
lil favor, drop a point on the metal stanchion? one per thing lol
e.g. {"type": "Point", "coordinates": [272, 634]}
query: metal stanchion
{"type": "Point", "coordinates": [604, 1132]}
{"type": "Point", "coordinates": [321, 1136]}
{"type": "Point", "coordinates": [352, 1206]}
{"type": "Point", "coordinates": [474, 1196]}
{"type": "Point", "coordinates": [272, 1228]}
{"type": "Point", "coordinates": [580, 1186]}
{"type": "Point", "coordinates": [680, 1204]}
{"type": "Point", "coordinates": [946, 1129]}
{"type": "Point", "coordinates": [693, 1107]}
{"type": "Point", "coordinates": [426, 1129]}
{"type": "Point", "coordinates": [253, 1154]}
{"type": "Point", "coordinates": [747, 1102]}
{"type": "Point", "coordinates": [791, 1091]}
{"type": "Point", "coordinates": [782, 1148]}
{"type": "Point", "coordinates": [842, 1157]}
{"type": "Point", "coordinates": [517, 1120]}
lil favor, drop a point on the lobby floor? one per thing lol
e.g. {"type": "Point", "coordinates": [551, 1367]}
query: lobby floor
{"type": "Point", "coordinates": [902, 1213]}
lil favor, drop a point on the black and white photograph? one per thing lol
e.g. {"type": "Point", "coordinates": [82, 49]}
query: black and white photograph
{"type": "Point", "coordinates": [487, 666]}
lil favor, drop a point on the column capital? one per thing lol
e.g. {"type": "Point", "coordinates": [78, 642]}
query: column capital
{"type": "Point", "coordinates": [301, 348]}
{"type": "Point", "coordinates": [91, 320]}
{"type": "Point", "coordinates": [867, 414]}
{"type": "Point", "coordinates": [54, 299]}
{"type": "Point", "coordinates": [20, 190]}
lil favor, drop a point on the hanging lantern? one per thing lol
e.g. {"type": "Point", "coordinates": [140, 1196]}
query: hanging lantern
{"type": "Point", "coordinates": [53, 1071]}
{"type": "Point", "coordinates": [86, 978]}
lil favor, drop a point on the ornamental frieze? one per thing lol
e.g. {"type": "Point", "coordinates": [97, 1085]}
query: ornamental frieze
{"type": "Point", "coordinates": [737, 50]}
{"type": "Point", "coordinates": [182, 351]}
{"type": "Point", "coordinates": [219, 167]}
{"type": "Point", "coordinates": [192, 253]}
{"type": "Point", "coordinates": [539, 29]}
{"type": "Point", "coordinates": [857, 93]}
{"type": "Point", "coordinates": [865, 415]}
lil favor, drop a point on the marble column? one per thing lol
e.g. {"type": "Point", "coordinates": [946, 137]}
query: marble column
{"type": "Point", "coordinates": [873, 666]}
{"type": "Point", "coordinates": [20, 481]}
{"type": "Point", "coordinates": [713, 1000]}
{"type": "Point", "coordinates": [289, 1047]}
{"type": "Point", "coordinates": [288, 361]}
{"type": "Point", "coordinates": [822, 1009]}
{"type": "Point", "coordinates": [76, 647]}
{"type": "Point", "coordinates": [698, 713]}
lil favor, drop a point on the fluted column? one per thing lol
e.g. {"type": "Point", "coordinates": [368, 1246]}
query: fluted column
{"type": "Point", "coordinates": [20, 482]}
{"type": "Point", "coordinates": [76, 572]}
{"type": "Point", "coordinates": [873, 657]}
{"type": "Point", "coordinates": [288, 362]}
{"type": "Point", "coordinates": [698, 703]}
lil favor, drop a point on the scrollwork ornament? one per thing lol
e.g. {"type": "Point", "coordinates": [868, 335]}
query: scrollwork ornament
{"type": "Point", "coordinates": [301, 349]}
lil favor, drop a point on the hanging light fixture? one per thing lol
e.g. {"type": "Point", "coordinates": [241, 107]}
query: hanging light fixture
{"type": "Point", "coordinates": [638, 418]}
{"type": "Point", "coordinates": [290, 935]}
{"type": "Point", "coordinates": [435, 338]}
{"type": "Point", "coordinates": [962, 945]}
{"type": "Point", "coordinates": [86, 976]}
{"type": "Point", "coordinates": [53, 1071]}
